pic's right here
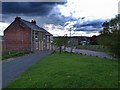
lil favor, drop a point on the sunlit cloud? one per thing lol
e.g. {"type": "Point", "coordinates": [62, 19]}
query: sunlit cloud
{"type": "Point", "coordinates": [3, 26]}
{"type": "Point", "coordinates": [95, 8]}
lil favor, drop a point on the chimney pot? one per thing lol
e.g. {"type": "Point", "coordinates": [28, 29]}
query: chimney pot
{"type": "Point", "coordinates": [17, 18]}
{"type": "Point", "coordinates": [33, 21]}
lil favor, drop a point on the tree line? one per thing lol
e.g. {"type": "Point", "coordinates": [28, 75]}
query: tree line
{"type": "Point", "coordinates": [109, 35]}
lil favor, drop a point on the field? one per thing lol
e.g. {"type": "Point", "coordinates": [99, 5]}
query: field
{"type": "Point", "coordinates": [68, 70]}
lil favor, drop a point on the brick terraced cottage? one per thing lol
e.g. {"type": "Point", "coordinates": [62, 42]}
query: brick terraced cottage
{"type": "Point", "coordinates": [24, 35]}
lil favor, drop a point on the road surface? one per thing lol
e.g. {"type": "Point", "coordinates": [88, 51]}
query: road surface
{"type": "Point", "coordinates": [12, 68]}
{"type": "Point", "coordinates": [89, 52]}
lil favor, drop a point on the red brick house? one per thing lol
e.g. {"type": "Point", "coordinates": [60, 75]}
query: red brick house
{"type": "Point", "coordinates": [24, 35]}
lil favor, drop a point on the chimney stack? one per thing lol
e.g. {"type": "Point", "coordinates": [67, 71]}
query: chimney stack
{"type": "Point", "coordinates": [17, 18]}
{"type": "Point", "coordinates": [33, 21]}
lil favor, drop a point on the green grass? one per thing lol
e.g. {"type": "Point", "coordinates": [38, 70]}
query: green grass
{"type": "Point", "coordinates": [67, 70]}
{"type": "Point", "coordinates": [0, 57]}
{"type": "Point", "coordinates": [12, 54]}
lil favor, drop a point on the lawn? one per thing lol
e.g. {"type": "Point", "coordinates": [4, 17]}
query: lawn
{"type": "Point", "coordinates": [6, 54]}
{"type": "Point", "coordinates": [68, 70]}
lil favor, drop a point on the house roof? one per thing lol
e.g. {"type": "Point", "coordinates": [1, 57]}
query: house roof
{"type": "Point", "coordinates": [33, 26]}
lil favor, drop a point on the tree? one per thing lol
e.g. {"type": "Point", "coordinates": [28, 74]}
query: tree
{"type": "Point", "coordinates": [60, 41]}
{"type": "Point", "coordinates": [109, 36]}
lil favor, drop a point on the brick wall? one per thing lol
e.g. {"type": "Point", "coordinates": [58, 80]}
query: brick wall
{"type": "Point", "coordinates": [17, 37]}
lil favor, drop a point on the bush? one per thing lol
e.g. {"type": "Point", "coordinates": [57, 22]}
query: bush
{"type": "Point", "coordinates": [112, 42]}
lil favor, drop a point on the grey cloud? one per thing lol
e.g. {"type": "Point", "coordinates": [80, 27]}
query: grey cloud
{"type": "Point", "coordinates": [29, 8]}
{"type": "Point", "coordinates": [93, 25]}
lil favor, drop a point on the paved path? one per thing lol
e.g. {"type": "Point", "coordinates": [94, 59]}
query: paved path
{"type": "Point", "coordinates": [13, 68]}
{"type": "Point", "coordinates": [89, 52]}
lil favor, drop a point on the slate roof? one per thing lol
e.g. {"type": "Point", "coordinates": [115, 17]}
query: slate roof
{"type": "Point", "coordinates": [35, 27]}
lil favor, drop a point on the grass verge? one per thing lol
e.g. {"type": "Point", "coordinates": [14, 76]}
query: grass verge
{"type": "Point", "coordinates": [67, 70]}
{"type": "Point", "coordinates": [12, 54]}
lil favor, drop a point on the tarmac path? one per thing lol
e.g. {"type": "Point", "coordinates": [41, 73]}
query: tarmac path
{"type": "Point", "coordinates": [12, 68]}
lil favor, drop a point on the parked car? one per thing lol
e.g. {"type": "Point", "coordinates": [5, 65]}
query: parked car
{"type": "Point", "coordinates": [84, 43]}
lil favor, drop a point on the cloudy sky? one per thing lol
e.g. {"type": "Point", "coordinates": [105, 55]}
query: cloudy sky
{"type": "Point", "coordinates": [82, 17]}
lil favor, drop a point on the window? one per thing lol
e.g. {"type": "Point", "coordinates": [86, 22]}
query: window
{"type": "Point", "coordinates": [36, 35]}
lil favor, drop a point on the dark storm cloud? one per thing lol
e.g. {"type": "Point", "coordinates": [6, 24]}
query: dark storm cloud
{"type": "Point", "coordinates": [94, 25]}
{"type": "Point", "coordinates": [58, 19]}
{"type": "Point", "coordinates": [29, 8]}
{"type": "Point", "coordinates": [88, 29]}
